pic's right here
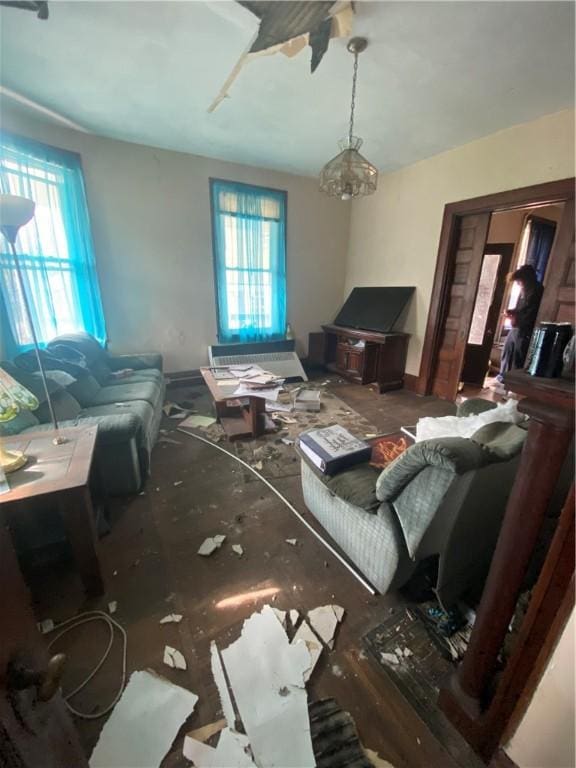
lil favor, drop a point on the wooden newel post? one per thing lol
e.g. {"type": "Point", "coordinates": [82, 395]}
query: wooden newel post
{"type": "Point", "coordinates": [550, 406]}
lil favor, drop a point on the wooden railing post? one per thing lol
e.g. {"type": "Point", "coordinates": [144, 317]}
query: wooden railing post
{"type": "Point", "coordinates": [550, 406]}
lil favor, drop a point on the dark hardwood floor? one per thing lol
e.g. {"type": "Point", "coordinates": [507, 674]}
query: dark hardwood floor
{"type": "Point", "coordinates": [151, 568]}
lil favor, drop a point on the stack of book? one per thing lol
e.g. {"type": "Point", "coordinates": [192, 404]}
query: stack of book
{"type": "Point", "coordinates": [333, 449]}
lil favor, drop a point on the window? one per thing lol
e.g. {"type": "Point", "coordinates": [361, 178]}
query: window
{"type": "Point", "coordinates": [54, 250]}
{"type": "Point", "coordinates": [249, 242]}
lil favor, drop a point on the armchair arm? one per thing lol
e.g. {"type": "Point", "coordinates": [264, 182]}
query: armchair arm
{"type": "Point", "coordinates": [137, 362]}
{"type": "Point", "coordinates": [456, 454]}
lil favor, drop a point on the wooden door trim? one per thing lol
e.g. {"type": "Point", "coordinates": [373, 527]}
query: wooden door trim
{"type": "Point", "coordinates": [537, 194]}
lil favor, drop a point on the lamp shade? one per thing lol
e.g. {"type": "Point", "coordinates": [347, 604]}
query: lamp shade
{"type": "Point", "coordinates": [14, 397]}
{"type": "Point", "coordinates": [15, 211]}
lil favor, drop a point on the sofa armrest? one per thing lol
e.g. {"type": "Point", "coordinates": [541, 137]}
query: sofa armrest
{"type": "Point", "coordinates": [455, 454]}
{"type": "Point", "coordinates": [137, 362]}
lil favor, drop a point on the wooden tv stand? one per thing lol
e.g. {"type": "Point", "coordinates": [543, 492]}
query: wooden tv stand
{"type": "Point", "coordinates": [366, 357]}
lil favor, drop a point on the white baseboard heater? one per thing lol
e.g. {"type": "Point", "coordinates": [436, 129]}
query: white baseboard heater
{"type": "Point", "coordinates": [278, 357]}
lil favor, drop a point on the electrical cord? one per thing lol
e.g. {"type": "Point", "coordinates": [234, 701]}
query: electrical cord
{"type": "Point", "coordinates": [77, 621]}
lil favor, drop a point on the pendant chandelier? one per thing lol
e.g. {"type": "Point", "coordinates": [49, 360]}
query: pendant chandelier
{"type": "Point", "coordinates": [349, 174]}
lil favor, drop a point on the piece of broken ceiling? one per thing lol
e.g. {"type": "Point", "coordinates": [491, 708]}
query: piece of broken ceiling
{"type": "Point", "coordinates": [287, 27]}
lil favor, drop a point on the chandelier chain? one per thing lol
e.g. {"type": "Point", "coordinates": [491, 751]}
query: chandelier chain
{"type": "Point", "coordinates": [353, 100]}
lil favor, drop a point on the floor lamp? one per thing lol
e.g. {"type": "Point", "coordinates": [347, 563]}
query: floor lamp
{"type": "Point", "coordinates": [15, 212]}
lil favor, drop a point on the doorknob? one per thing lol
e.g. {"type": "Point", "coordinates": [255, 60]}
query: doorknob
{"type": "Point", "coordinates": [46, 682]}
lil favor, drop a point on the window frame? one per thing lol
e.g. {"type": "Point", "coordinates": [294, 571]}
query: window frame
{"type": "Point", "coordinates": [80, 261]}
{"type": "Point", "coordinates": [213, 180]}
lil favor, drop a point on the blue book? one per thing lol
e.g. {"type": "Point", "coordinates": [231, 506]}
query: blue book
{"type": "Point", "coordinates": [333, 449]}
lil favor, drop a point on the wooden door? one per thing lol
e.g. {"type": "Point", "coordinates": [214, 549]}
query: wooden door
{"type": "Point", "coordinates": [557, 304]}
{"type": "Point", "coordinates": [468, 244]}
{"type": "Point", "coordinates": [36, 731]}
{"type": "Point", "coordinates": [487, 309]}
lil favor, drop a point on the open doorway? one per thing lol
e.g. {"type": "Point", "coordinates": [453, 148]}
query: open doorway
{"type": "Point", "coordinates": [468, 227]}
{"type": "Point", "coordinates": [515, 237]}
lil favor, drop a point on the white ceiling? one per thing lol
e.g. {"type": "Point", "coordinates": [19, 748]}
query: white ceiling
{"type": "Point", "coordinates": [436, 75]}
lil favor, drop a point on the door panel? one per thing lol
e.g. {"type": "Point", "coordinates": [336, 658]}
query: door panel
{"type": "Point", "coordinates": [469, 243]}
{"type": "Point", "coordinates": [558, 299]}
{"type": "Point", "coordinates": [487, 308]}
{"type": "Point", "coordinates": [36, 731]}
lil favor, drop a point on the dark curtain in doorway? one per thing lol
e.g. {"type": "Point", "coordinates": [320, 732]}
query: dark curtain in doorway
{"type": "Point", "coordinates": [540, 242]}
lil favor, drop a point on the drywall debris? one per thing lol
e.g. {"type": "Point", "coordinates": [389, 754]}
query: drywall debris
{"type": "Point", "coordinates": [313, 645]}
{"type": "Point", "coordinates": [259, 664]}
{"type": "Point", "coordinates": [281, 616]}
{"type": "Point", "coordinates": [197, 420]}
{"type": "Point", "coordinates": [45, 626]}
{"type": "Point", "coordinates": [112, 606]}
{"type": "Point", "coordinates": [173, 658]}
{"type": "Point", "coordinates": [169, 441]}
{"type": "Point", "coordinates": [143, 740]}
{"type": "Point", "coordinates": [375, 759]}
{"type": "Point", "coordinates": [222, 685]}
{"type": "Point", "coordinates": [337, 671]}
{"type": "Point", "coordinates": [258, 466]}
{"type": "Point", "coordinates": [211, 544]}
{"type": "Point", "coordinates": [239, 549]}
{"type": "Point", "coordinates": [407, 653]}
{"type": "Point", "coordinates": [294, 617]}
{"type": "Point", "coordinates": [324, 621]}
{"type": "Point", "coordinates": [233, 749]}
{"type": "Point", "coordinates": [171, 618]}
{"type": "Point", "coordinates": [292, 542]}
{"type": "Point", "coordinates": [178, 482]}
{"type": "Point", "coordinates": [389, 658]}
{"type": "Point", "coordinates": [207, 731]}
{"type": "Point", "coordinates": [287, 441]}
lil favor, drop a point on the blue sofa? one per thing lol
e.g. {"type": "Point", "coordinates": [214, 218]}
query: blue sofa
{"type": "Point", "coordinates": [88, 386]}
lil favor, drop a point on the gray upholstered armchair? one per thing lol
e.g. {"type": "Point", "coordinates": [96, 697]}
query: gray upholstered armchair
{"type": "Point", "coordinates": [443, 497]}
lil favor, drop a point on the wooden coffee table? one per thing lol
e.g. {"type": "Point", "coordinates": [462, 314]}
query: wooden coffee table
{"type": "Point", "coordinates": [62, 473]}
{"type": "Point", "coordinates": [240, 417]}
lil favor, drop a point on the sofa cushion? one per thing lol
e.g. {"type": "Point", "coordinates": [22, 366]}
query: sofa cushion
{"type": "Point", "coordinates": [139, 410]}
{"type": "Point", "coordinates": [356, 485]}
{"type": "Point", "coordinates": [32, 381]}
{"type": "Point", "coordinates": [146, 374]}
{"type": "Point", "coordinates": [23, 420]}
{"type": "Point", "coordinates": [65, 407]}
{"type": "Point", "coordinates": [86, 345]}
{"type": "Point", "coordinates": [85, 389]}
{"type": "Point", "coordinates": [502, 441]}
{"type": "Point", "coordinates": [149, 391]}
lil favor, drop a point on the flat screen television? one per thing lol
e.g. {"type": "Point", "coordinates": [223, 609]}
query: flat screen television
{"type": "Point", "coordinates": [374, 309]}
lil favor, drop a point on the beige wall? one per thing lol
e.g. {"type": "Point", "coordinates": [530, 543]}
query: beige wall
{"type": "Point", "coordinates": [150, 214]}
{"type": "Point", "coordinates": [394, 234]}
{"type": "Point", "coordinates": [506, 226]}
{"type": "Point", "coordinates": [545, 737]}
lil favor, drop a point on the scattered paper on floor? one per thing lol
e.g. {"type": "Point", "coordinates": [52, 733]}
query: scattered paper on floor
{"type": "Point", "coordinates": [267, 678]}
{"type": "Point", "coordinates": [173, 658]}
{"type": "Point", "coordinates": [238, 548]}
{"type": "Point", "coordinates": [143, 724]}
